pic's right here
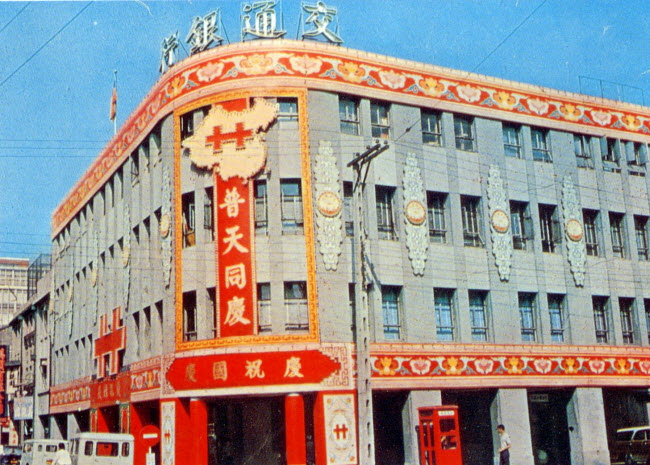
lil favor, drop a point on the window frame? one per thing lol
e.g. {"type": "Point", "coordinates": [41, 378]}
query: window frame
{"type": "Point", "coordinates": [476, 313]}
{"type": "Point", "coordinates": [583, 151]}
{"type": "Point", "coordinates": [349, 123]}
{"type": "Point", "coordinates": [261, 210]}
{"type": "Point", "coordinates": [431, 133]}
{"type": "Point", "coordinates": [437, 216]}
{"type": "Point", "coordinates": [600, 305]}
{"type": "Point", "coordinates": [444, 310]}
{"type": "Point", "coordinates": [520, 221]}
{"type": "Point", "coordinates": [626, 313]}
{"type": "Point", "coordinates": [528, 316]}
{"type": "Point", "coordinates": [292, 302]}
{"type": "Point", "coordinates": [385, 209]}
{"type": "Point", "coordinates": [641, 235]}
{"type": "Point", "coordinates": [391, 312]}
{"type": "Point", "coordinates": [590, 220]}
{"type": "Point", "coordinates": [294, 223]}
{"type": "Point", "coordinates": [557, 316]}
{"type": "Point", "coordinates": [470, 207]}
{"type": "Point", "coordinates": [617, 234]}
{"type": "Point", "coordinates": [464, 132]}
{"type": "Point", "coordinates": [284, 114]}
{"type": "Point", "coordinates": [549, 224]}
{"type": "Point", "coordinates": [511, 145]}
{"type": "Point", "coordinates": [264, 316]}
{"type": "Point", "coordinates": [540, 145]}
{"type": "Point", "coordinates": [380, 119]}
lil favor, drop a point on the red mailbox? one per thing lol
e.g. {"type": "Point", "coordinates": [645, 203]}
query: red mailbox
{"type": "Point", "coordinates": [439, 436]}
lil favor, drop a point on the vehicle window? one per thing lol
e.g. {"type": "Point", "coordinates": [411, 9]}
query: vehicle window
{"type": "Point", "coordinates": [88, 448]}
{"type": "Point", "coordinates": [125, 449]}
{"type": "Point", "coordinates": [27, 447]}
{"type": "Point", "coordinates": [51, 448]}
{"type": "Point", "coordinates": [40, 447]}
{"type": "Point", "coordinates": [75, 447]}
{"type": "Point", "coordinates": [107, 449]}
{"type": "Point", "coordinates": [639, 436]}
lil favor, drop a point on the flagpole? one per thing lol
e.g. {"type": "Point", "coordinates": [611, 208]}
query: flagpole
{"type": "Point", "coordinates": [115, 87]}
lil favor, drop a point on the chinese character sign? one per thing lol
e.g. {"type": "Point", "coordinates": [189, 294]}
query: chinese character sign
{"type": "Point", "coordinates": [234, 248]}
{"type": "Point", "coordinates": [169, 52]}
{"type": "Point", "coordinates": [204, 32]}
{"type": "Point", "coordinates": [320, 17]}
{"type": "Point", "coordinates": [259, 20]}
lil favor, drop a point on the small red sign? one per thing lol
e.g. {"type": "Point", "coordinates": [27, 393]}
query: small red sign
{"type": "Point", "coordinates": [111, 340]}
{"type": "Point", "coordinates": [108, 391]}
{"type": "Point", "coordinates": [149, 435]}
{"type": "Point", "coordinates": [254, 369]}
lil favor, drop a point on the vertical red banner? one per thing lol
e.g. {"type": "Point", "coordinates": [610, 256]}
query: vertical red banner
{"type": "Point", "coordinates": [234, 249]}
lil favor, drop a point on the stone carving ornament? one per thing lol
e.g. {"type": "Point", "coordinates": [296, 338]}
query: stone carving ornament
{"type": "Point", "coordinates": [328, 205]}
{"type": "Point", "coordinates": [500, 232]}
{"type": "Point", "coordinates": [576, 246]}
{"type": "Point", "coordinates": [415, 215]}
{"type": "Point", "coordinates": [165, 226]}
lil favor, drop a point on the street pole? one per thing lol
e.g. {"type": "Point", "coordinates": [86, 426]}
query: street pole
{"type": "Point", "coordinates": [365, 423]}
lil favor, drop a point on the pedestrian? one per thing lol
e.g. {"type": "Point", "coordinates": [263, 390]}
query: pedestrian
{"type": "Point", "coordinates": [62, 456]}
{"type": "Point", "coordinates": [504, 450]}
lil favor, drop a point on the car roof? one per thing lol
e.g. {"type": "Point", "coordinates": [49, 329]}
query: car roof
{"type": "Point", "coordinates": [632, 428]}
{"type": "Point", "coordinates": [106, 436]}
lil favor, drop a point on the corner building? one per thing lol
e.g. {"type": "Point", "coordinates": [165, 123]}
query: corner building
{"type": "Point", "coordinates": [204, 266]}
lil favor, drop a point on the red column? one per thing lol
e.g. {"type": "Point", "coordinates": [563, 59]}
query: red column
{"type": "Point", "coordinates": [139, 450]}
{"type": "Point", "coordinates": [294, 420]}
{"type": "Point", "coordinates": [183, 432]}
{"type": "Point", "coordinates": [199, 428]}
{"type": "Point", "coordinates": [102, 421]}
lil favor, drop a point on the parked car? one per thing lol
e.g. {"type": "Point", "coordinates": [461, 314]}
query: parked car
{"type": "Point", "coordinates": [632, 446]}
{"type": "Point", "coordinates": [102, 449]}
{"type": "Point", "coordinates": [11, 455]}
{"type": "Point", "coordinates": [40, 451]}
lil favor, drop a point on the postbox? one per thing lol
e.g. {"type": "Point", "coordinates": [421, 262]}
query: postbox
{"type": "Point", "coordinates": [439, 436]}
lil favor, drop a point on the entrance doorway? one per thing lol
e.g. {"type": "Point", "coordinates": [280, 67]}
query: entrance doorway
{"type": "Point", "coordinates": [475, 423]}
{"type": "Point", "coordinates": [549, 428]}
{"type": "Point", "coordinates": [245, 432]}
{"type": "Point", "coordinates": [389, 434]}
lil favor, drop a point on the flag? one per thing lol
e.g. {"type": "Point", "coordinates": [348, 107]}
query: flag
{"type": "Point", "coordinates": [113, 112]}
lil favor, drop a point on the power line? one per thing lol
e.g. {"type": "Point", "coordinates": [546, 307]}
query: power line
{"type": "Point", "coordinates": [15, 16]}
{"type": "Point", "coordinates": [45, 44]}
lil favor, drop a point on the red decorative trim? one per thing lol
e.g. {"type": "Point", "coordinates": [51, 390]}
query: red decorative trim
{"type": "Point", "coordinates": [317, 66]}
{"type": "Point", "coordinates": [575, 364]}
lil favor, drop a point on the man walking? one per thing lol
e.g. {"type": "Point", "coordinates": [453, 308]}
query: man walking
{"type": "Point", "coordinates": [504, 450]}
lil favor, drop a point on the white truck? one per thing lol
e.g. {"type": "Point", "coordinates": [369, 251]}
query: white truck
{"type": "Point", "coordinates": [40, 451]}
{"type": "Point", "coordinates": [102, 449]}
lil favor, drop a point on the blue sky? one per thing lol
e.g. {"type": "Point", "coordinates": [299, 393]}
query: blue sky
{"type": "Point", "coordinates": [54, 110]}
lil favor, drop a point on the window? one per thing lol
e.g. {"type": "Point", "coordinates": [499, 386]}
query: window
{"type": "Point", "coordinates": [261, 210]}
{"type": "Point", "coordinates": [520, 222]}
{"type": "Point", "coordinates": [107, 449]}
{"type": "Point", "coordinates": [641, 233]}
{"type": "Point", "coordinates": [527, 316]}
{"type": "Point", "coordinates": [582, 148]}
{"type": "Point", "coordinates": [295, 304]}
{"type": "Point", "coordinates": [349, 115]}
{"type": "Point", "coordinates": [541, 151]}
{"type": "Point", "coordinates": [590, 220]}
{"type": "Point", "coordinates": [385, 218]}
{"type": "Point", "coordinates": [436, 216]}
{"type": "Point", "coordinates": [348, 208]}
{"type": "Point", "coordinates": [189, 316]}
{"type": "Point", "coordinates": [511, 140]}
{"type": "Point", "coordinates": [444, 308]}
{"type": "Point", "coordinates": [264, 307]}
{"type": "Point", "coordinates": [135, 166]}
{"type": "Point", "coordinates": [292, 220]}
{"type": "Point", "coordinates": [379, 122]}
{"type": "Point", "coordinates": [626, 306]}
{"type": "Point", "coordinates": [610, 151]}
{"type": "Point", "coordinates": [390, 306]}
{"type": "Point", "coordinates": [550, 228]}
{"type": "Point", "coordinates": [556, 312]}
{"type": "Point", "coordinates": [469, 207]}
{"type": "Point", "coordinates": [352, 304]}
{"type": "Point", "coordinates": [189, 236]}
{"type": "Point", "coordinates": [601, 322]}
{"type": "Point", "coordinates": [431, 129]}
{"type": "Point", "coordinates": [478, 315]}
{"type": "Point", "coordinates": [287, 109]}
{"type": "Point", "coordinates": [616, 229]}
{"type": "Point", "coordinates": [208, 212]}
{"type": "Point", "coordinates": [637, 154]}
{"type": "Point", "coordinates": [464, 133]}
{"type": "Point", "coordinates": [187, 125]}
{"type": "Point", "coordinates": [143, 151]}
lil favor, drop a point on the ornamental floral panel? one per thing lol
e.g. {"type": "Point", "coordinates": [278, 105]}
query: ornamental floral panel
{"type": "Point", "coordinates": [500, 231]}
{"type": "Point", "coordinates": [329, 207]}
{"type": "Point", "coordinates": [415, 215]}
{"type": "Point", "coordinates": [573, 227]}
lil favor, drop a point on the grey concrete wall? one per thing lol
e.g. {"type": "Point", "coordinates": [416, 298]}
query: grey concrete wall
{"type": "Point", "coordinates": [510, 408]}
{"type": "Point", "coordinates": [587, 428]}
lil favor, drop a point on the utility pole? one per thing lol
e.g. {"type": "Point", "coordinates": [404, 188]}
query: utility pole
{"type": "Point", "coordinates": [365, 423]}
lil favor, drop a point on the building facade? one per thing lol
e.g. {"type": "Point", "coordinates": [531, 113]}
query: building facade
{"type": "Point", "coordinates": [13, 287]}
{"type": "Point", "coordinates": [205, 277]}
